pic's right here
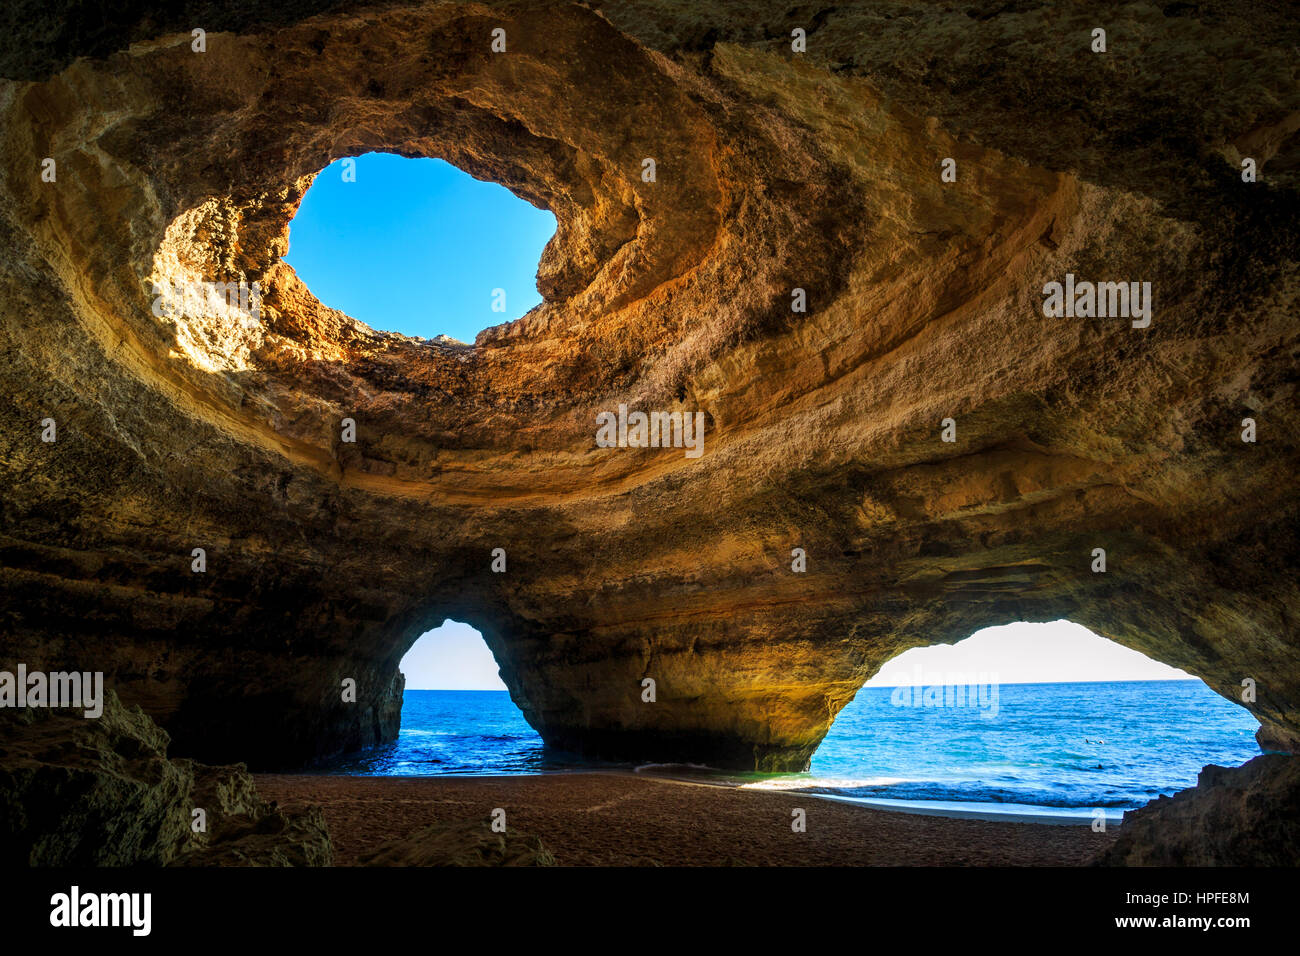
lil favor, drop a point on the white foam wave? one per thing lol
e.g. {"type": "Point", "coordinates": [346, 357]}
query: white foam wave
{"type": "Point", "coordinates": [828, 783]}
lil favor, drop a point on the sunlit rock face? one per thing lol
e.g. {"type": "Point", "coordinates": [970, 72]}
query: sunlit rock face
{"type": "Point", "coordinates": [204, 427]}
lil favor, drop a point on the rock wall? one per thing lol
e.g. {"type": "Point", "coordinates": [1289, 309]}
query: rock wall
{"type": "Point", "coordinates": [103, 792]}
{"type": "Point", "coordinates": [776, 171]}
{"type": "Point", "coordinates": [1238, 816]}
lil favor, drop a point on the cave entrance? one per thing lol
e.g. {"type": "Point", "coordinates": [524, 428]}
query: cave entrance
{"type": "Point", "coordinates": [457, 716]}
{"type": "Point", "coordinates": [1049, 720]}
{"type": "Point", "coordinates": [418, 247]}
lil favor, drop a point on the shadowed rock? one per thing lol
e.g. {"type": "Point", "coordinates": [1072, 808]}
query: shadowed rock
{"type": "Point", "coordinates": [246, 830]}
{"type": "Point", "coordinates": [1238, 816]}
{"type": "Point", "coordinates": [102, 792]}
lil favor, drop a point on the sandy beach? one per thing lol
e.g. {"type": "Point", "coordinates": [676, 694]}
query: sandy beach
{"type": "Point", "coordinates": [625, 819]}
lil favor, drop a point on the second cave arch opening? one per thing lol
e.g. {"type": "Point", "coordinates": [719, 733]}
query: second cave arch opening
{"type": "Point", "coordinates": [1044, 720]}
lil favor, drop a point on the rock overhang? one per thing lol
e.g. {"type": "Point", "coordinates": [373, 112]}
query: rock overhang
{"type": "Point", "coordinates": [773, 172]}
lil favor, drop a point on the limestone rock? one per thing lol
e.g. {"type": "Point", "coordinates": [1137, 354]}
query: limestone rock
{"type": "Point", "coordinates": [89, 792]}
{"type": "Point", "coordinates": [246, 830]}
{"type": "Point", "coordinates": [77, 791]}
{"type": "Point", "coordinates": [1238, 816]}
{"type": "Point", "coordinates": [777, 171]}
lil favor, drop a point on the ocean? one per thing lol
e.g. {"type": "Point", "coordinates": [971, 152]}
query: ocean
{"type": "Point", "coordinates": [1051, 749]}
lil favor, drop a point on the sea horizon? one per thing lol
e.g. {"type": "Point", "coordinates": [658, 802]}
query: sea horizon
{"type": "Point", "coordinates": [1136, 680]}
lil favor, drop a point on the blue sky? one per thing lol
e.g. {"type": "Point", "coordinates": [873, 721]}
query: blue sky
{"type": "Point", "coordinates": [451, 657]}
{"type": "Point", "coordinates": [454, 657]}
{"type": "Point", "coordinates": [416, 246]}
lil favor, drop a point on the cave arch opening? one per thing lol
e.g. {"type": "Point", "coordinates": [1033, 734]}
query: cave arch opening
{"type": "Point", "coordinates": [1042, 719]}
{"type": "Point", "coordinates": [417, 246]}
{"type": "Point", "coordinates": [457, 716]}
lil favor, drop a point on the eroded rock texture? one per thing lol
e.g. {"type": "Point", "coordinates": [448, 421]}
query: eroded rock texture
{"type": "Point", "coordinates": [775, 171]}
{"type": "Point", "coordinates": [1235, 816]}
{"type": "Point", "coordinates": [103, 792]}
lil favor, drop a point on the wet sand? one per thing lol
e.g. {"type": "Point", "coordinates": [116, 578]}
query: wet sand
{"type": "Point", "coordinates": [625, 819]}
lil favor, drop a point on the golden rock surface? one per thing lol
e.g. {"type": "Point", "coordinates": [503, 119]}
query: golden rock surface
{"type": "Point", "coordinates": [776, 170]}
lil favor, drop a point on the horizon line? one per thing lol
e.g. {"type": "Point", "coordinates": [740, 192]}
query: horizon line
{"type": "Point", "coordinates": [1006, 683]}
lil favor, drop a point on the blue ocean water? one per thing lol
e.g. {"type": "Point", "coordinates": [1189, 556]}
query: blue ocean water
{"type": "Point", "coordinates": [1086, 745]}
{"type": "Point", "coordinates": [1111, 745]}
{"type": "Point", "coordinates": [458, 731]}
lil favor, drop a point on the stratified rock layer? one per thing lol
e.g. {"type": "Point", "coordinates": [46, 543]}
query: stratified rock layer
{"type": "Point", "coordinates": [1238, 816]}
{"type": "Point", "coordinates": [78, 791]}
{"type": "Point", "coordinates": [776, 171]}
